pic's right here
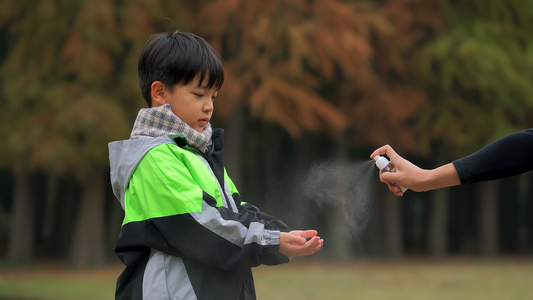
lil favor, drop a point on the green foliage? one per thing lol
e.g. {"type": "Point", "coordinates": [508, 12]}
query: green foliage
{"type": "Point", "coordinates": [69, 79]}
{"type": "Point", "coordinates": [478, 74]}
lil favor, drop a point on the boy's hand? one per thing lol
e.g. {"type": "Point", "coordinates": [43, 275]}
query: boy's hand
{"type": "Point", "coordinates": [295, 243]}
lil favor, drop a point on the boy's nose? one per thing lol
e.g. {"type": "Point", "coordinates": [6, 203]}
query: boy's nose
{"type": "Point", "coordinates": [208, 106]}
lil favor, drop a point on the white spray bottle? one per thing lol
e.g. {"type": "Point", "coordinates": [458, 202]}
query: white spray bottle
{"type": "Point", "coordinates": [386, 166]}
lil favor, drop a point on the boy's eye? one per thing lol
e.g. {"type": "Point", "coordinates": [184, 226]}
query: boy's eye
{"type": "Point", "coordinates": [199, 95]}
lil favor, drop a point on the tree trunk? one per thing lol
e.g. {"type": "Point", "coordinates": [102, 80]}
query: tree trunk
{"type": "Point", "coordinates": [393, 225]}
{"type": "Point", "coordinates": [340, 237]}
{"type": "Point", "coordinates": [88, 243]}
{"type": "Point", "coordinates": [437, 241]}
{"type": "Point", "coordinates": [21, 233]}
{"type": "Point", "coordinates": [524, 200]}
{"type": "Point", "coordinates": [67, 214]}
{"type": "Point", "coordinates": [299, 172]}
{"type": "Point", "coordinates": [488, 218]}
{"type": "Point", "coordinates": [49, 211]}
{"type": "Point", "coordinates": [234, 138]}
{"type": "Point", "coordinates": [115, 222]}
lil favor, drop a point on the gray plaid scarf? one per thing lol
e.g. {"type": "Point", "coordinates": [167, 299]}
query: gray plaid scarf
{"type": "Point", "coordinates": [158, 121]}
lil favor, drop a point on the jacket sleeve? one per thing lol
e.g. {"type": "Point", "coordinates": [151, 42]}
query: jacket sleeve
{"type": "Point", "coordinates": [508, 156]}
{"type": "Point", "coordinates": [271, 221]}
{"type": "Point", "coordinates": [167, 210]}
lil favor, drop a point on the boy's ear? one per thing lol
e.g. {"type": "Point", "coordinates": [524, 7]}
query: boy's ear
{"type": "Point", "coordinates": [158, 93]}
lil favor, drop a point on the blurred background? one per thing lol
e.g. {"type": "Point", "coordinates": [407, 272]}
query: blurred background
{"type": "Point", "coordinates": [312, 88]}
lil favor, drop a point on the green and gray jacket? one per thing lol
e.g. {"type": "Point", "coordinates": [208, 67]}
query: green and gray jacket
{"type": "Point", "coordinates": [186, 233]}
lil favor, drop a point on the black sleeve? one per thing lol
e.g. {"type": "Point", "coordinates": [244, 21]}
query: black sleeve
{"type": "Point", "coordinates": [508, 156]}
{"type": "Point", "coordinates": [270, 221]}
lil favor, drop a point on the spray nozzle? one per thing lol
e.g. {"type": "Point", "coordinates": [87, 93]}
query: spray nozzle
{"type": "Point", "coordinates": [381, 162]}
{"type": "Point", "coordinates": [384, 164]}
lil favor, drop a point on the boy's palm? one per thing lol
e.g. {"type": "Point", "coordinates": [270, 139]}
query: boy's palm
{"type": "Point", "coordinates": [295, 243]}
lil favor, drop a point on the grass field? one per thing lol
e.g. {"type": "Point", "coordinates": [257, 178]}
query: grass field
{"type": "Point", "coordinates": [308, 279]}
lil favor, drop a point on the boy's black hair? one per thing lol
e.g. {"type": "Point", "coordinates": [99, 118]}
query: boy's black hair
{"type": "Point", "coordinates": [177, 58]}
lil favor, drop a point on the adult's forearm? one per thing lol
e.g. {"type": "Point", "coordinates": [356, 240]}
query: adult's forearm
{"type": "Point", "coordinates": [508, 156]}
{"type": "Point", "coordinates": [441, 177]}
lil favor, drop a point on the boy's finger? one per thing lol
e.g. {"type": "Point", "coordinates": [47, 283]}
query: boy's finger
{"type": "Point", "coordinates": [318, 245]}
{"type": "Point", "coordinates": [308, 233]}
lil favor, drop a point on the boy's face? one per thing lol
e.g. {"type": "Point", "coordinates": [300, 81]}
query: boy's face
{"type": "Point", "coordinates": [192, 103]}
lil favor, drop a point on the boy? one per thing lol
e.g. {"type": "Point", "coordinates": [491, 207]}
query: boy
{"type": "Point", "coordinates": [186, 233]}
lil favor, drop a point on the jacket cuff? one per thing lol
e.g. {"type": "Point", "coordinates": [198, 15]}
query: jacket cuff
{"type": "Point", "coordinates": [271, 237]}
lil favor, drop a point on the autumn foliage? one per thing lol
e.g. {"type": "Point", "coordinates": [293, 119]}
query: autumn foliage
{"type": "Point", "coordinates": [354, 74]}
{"type": "Point", "coordinates": [323, 65]}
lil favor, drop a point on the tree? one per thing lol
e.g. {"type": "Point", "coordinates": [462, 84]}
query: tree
{"type": "Point", "coordinates": [478, 76]}
{"type": "Point", "coordinates": [480, 70]}
{"type": "Point", "coordinates": [341, 68]}
{"type": "Point", "coordinates": [25, 77]}
{"type": "Point", "coordinates": [61, 105]}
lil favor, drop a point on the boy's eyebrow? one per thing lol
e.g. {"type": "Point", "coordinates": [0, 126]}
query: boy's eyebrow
{"type": "Point", "coordinates": [205, 87]}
